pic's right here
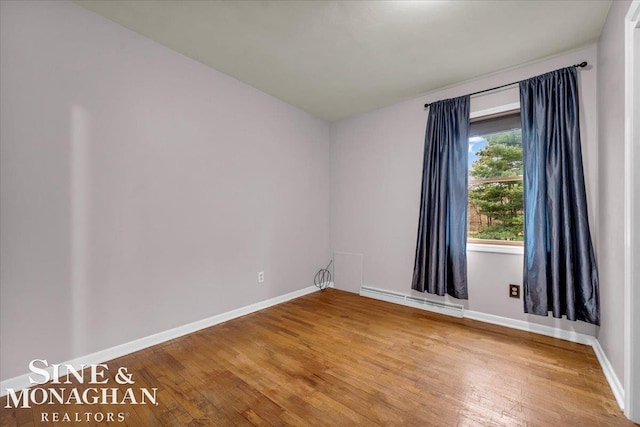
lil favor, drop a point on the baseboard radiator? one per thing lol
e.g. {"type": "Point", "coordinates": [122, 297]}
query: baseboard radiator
{"type": "Point", "coordinates": [454, 310]}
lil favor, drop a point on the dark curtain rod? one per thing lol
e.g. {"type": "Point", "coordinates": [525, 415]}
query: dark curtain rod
{"type": "Point", "coordinates": [580, 65]}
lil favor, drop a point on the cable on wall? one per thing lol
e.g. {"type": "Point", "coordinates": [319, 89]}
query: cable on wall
{"type": "Point", "coordinates": [322, 278]}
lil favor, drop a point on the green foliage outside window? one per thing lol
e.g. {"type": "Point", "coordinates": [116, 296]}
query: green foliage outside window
{"type": "Point", "coordinates": [496, 190]}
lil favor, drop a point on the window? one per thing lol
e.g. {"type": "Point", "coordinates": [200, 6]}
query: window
{"type": "Point", "coordinates": [495, 211]}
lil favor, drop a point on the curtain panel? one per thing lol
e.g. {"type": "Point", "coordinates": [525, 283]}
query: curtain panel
{"type": "Point", "coordinates": [560, 273]}
{"type": "Point", "coordinates": [441, 249]}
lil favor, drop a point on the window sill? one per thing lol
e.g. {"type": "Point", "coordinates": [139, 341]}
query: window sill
{"type": "Point", "coordinates": [497, 249]}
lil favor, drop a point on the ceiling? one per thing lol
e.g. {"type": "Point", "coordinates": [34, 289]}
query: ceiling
{"type": "Point", "coordinates": [339, 58]}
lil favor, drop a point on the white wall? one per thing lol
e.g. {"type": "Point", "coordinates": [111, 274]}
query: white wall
{"type": "Point", "coordinates": [141, 190]}
{"type": "Point", "coordinates": [376, 167]}
{"type": "Point", "coordinates": [611, 185]}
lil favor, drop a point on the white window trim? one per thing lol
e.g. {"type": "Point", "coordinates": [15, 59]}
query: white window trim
{"type": "Point", "coordinates": [495, 248]}
{"type": "Point", "coordinates": [498, 249]}
{"type": "Point", "coordinates": [495, 110]}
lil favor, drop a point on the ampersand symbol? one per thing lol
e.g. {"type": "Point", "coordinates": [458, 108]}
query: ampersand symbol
{"type": "Point", "coordinates": [123, 377]}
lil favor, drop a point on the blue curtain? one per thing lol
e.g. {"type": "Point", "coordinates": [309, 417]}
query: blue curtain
{"type": "Point", "coordinates": [440, 264]}
{"type": "Point", "coordinates": [560, 273]}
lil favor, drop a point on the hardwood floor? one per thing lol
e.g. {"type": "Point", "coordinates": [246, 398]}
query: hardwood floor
{"type": "Point", "coordinates": [338, 359]}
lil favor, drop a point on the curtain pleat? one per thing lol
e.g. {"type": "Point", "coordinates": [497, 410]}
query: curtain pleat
{"type": "Point", "coordinates": [560, 273]}
{"type": "Point", "coordinates": [440, 263]}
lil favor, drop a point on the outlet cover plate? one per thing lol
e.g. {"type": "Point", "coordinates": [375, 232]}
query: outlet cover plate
{"type": "Point", "coordinates": [514, 291]}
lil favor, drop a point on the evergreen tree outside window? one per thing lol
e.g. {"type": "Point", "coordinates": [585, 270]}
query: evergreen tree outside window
{"type": "Point", "coordinates": [496, 206]}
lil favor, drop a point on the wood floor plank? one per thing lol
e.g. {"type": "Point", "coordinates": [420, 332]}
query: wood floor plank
{"type": "Point", "coordinates": [333, 358]}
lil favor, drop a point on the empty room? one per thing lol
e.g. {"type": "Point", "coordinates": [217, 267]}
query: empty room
{"type": "Point", "coordinates": [319, 213]}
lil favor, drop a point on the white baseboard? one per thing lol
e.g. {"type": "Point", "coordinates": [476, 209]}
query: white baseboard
{"type": "Point", "coordinates": [22, 381]}
{"type": "Point", "coordinates": [522, 325]}
{"type": "Point", "coordinates": [455, 310]}
{"type": "Point", "coordinates": [609, 374]}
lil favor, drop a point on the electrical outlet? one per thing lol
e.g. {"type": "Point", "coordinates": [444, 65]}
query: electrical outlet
{"type": "Point", "coordinates": [261, 277]}
{"type": "Point", "coordinates": [514, 291]}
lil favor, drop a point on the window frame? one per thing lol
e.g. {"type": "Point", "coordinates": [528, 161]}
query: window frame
{"type": "Point", "coordinates": [487, 245]}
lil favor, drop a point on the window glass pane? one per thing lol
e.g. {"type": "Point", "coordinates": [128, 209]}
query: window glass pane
{"type": "Point", "coordinates": [495, 155]}
{"type": "Point", "coordinates": [495, 181]}
{"type": "Point", "coordinates": [495, 211]}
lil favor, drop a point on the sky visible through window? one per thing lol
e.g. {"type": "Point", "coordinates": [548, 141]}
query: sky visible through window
{"type": "Point", "coordinates": [476, 143]}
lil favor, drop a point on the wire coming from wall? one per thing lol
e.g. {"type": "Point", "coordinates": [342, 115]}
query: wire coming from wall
{"type": "Point", "coordinates": [322, 278]}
